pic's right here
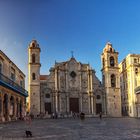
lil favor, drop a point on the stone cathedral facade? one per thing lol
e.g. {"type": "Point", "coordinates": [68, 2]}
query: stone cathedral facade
{"type": "Point", "coordinates": [71, 86]}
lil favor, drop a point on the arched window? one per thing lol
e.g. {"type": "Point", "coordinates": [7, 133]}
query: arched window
{"type": "Point", "coordinates": [33, 76]}
{"type": "Point", "coordinates": [33, 44]}
{"type": "Point", "coordinates": [112, 63]}
{"type": "Point", "coordinates": [33, 58]}
{"type": "Point", "coordinates": [113, 80]}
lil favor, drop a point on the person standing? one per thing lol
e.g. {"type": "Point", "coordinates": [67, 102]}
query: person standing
{"type": "Point", "coordinates": [28, 121]}
{"type": "Point", "coordinates": [100, 115]}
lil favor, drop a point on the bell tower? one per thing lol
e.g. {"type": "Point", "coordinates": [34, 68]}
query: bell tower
{"type": "Point", "coordinates": [34, 77]}
{"type": "Point", "coordinates": [111, 80]}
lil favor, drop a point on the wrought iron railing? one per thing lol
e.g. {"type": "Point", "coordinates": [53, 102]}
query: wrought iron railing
{"type": "Point", "coordinates": [12, 84]}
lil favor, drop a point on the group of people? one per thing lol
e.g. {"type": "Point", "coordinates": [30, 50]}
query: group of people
{"type": "Point", "coordinates": [28, 119]}
{"type": "Point", "coordinates": [74, 115]}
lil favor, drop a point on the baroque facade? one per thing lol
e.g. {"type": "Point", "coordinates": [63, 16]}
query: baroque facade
{"type": "Point", "coordinates": [12, 90]}
{"type": "Point", "coordinates": [71, 86]}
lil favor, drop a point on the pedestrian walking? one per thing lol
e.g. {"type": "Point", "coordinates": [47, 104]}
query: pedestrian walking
{"type": "Point", "coordinates": [82, 116]}
{"type": "Point", "coordinates": [28, 121]}
{"type": "Point", "coordinates": [100, 115]}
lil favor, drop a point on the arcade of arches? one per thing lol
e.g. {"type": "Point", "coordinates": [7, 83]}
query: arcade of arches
{"type": "Point", "coordinates": [12, 105]}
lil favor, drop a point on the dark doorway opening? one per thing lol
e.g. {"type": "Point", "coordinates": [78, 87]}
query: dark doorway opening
{"type": "Point", "coordinates": [74, 105]}
{"type": "Point", "coordinates": [98, 108]}
{"type": "Point", "coordinates": [48, 108]}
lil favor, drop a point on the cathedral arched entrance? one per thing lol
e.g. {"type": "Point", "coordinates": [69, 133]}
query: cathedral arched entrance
{"type": "Point", "coordinates": [98, 108]}
{"type": "Point", "coordinates": [48, 108]}
{"type": "Point", "coordinates": [74, 105]}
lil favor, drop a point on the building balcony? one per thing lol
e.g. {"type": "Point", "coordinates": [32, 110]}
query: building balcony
{"type": "Point", "coordinates": [8, 83]}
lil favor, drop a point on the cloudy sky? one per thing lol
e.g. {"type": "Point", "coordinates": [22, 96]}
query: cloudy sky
{"type": "Point", "coordinates": [62, 26]}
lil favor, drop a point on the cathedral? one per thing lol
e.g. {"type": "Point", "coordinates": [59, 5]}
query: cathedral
{"type": "Point", "coordinates": [72, 86]}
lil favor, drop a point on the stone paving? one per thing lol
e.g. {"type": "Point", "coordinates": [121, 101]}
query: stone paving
{"type": "Point", "coordinates": [74, 129]}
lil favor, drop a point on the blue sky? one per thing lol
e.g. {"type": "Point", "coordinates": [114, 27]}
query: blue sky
{"type": "Point", "coordinates": [62, 26]}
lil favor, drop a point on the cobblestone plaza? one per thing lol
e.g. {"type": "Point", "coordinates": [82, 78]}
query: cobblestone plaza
{"type": "Point", "coordinates": [74, 129]}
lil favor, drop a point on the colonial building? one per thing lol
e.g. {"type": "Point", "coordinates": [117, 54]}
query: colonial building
{"type": "Point", "coordinates": [12, 90]}
{"type": "Point", "coordinates": [71, 86]}
{"type": "Point", "coordinates": [130, 80]}
{"type": "Point", "coordinates": [137, 92]}
{"type": "Point", "coordinates": [111, 80]}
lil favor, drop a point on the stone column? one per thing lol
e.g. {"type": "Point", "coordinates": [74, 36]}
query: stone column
{"type": "Point", "coordinates": [22, 108]}
{"type": "Point", "coordinates": [59, 93]}
{"type": "Point", "coordinates": [66, 103]}
{"type": "Point", "coordinates": [80, 97]}
{"type": "Point", "coordinates": [15, 109]}
{"type": "Point", "coordinates": [9, 109]}
{"type": "Point", "coordinates": [81, 102]}
{"type": "Point", "coordinates": [56, 90]}
{"type": "Point", "coordinates": [92, 105]}
{"type": "Point", "coordinates": [66, 84]}
{"type": "Point", "coordinates": [60, 103]}
{"type": "Point", "coordinates": [68, 107]}
{"type": "Point", "coordinates": [89, 90]}
{"type": "Point", "coordinates": [89, 103]}
{"type": "Point", "coordinates": [88, 80]}
{"type": "Point", "coordinates": [66, 75]}
{"type": "Point", "coordinates": [56, 101]}
{"type": "Point", "coordinates": [91, 93]}
{"type": "Point", "coordinates": [104, 104]}
{"type": "Point", "coordinates": [53, 101]}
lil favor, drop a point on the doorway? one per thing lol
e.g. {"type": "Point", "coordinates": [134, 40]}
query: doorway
{"type": "Point", "coordinates": [98, 108]}
{"type": "Point", "coordinates": [48, 108]}
{"type": "Point", "coordinates": [74, 105]}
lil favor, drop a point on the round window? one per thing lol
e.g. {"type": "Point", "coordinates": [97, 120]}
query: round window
{"type": "Point", "coordinates": [73, 74]}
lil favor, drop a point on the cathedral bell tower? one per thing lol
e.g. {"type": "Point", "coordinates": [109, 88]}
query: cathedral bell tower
{"type": "Point", "coordinates": [34, 77]}
{"type": "Point", "coordinates": [111, 80]}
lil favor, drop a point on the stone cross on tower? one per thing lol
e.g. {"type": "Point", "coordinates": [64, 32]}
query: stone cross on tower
{"type": "Point", "coordinates": [72, 54]}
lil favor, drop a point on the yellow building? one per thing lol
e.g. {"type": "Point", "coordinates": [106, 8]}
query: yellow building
{"type": "Point", "coordinates": [137, 92]}
{"type": "Point", "coordinates": [129, 81]}
{"type": "Point", "coordinates": [12, 90]}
